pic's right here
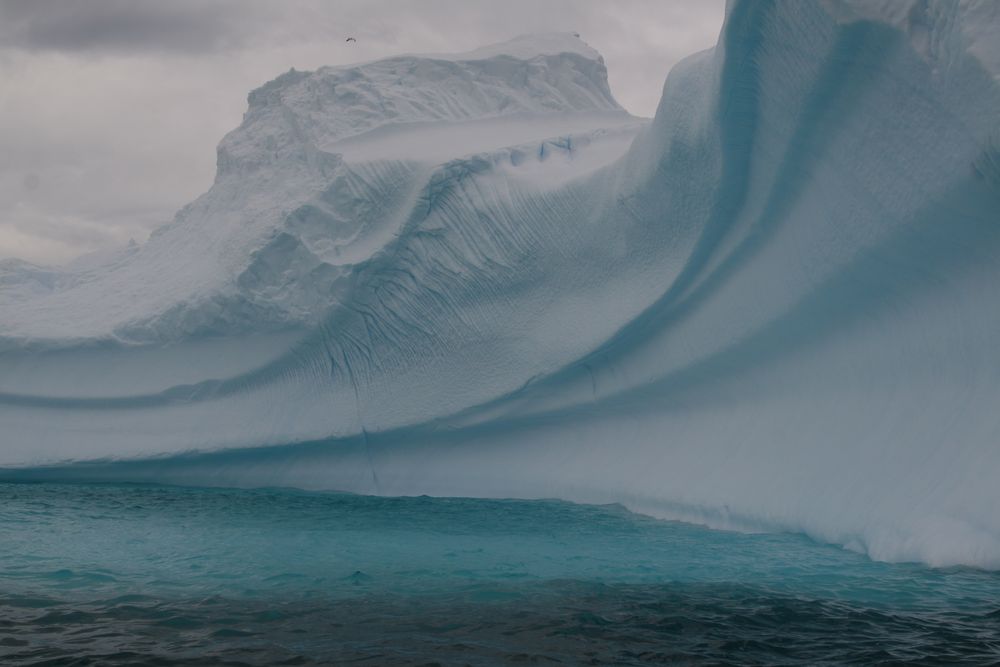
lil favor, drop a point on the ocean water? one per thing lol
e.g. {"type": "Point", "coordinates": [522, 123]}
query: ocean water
{"type": "Point", "coordinates": [147, 575]}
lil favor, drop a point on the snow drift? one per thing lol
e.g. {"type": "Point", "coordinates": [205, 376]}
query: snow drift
{"type": "Point", "coordinates": [772, 307]}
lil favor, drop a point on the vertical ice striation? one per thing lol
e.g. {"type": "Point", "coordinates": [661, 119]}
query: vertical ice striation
{"type": "Point", "coordinates": [770, 307]}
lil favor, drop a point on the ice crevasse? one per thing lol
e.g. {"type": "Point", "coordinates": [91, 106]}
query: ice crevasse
{"type": "Point", "coordinates": [771, 307]}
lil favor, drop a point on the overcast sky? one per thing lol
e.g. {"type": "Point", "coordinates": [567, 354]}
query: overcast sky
{"type": "Point", "coordinates": [110, 110]}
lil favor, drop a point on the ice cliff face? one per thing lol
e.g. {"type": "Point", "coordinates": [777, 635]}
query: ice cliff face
{"type": "Point", "coordinates": [769, 308]}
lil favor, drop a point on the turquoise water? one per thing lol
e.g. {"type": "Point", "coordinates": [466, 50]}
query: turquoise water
{"type": "Point", "coordinates": [94, 574]}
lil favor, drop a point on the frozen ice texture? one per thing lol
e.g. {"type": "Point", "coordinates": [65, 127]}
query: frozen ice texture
{"type": "Point", "coordinates": [773, 307]}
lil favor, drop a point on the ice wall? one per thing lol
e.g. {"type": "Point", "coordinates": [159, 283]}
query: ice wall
{"type": "Point", "coordinates": [770, 308]}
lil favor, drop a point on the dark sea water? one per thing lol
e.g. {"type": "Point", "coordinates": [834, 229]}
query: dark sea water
{"type": "Point", "coordinates": [139, 575]}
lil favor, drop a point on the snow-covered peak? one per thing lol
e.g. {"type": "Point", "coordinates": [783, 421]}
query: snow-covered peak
{"type": "Point", "coordinates": [304, 112]}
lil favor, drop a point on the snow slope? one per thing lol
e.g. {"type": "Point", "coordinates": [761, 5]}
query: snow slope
{"type": "Point", "coordinates": [769, 308]}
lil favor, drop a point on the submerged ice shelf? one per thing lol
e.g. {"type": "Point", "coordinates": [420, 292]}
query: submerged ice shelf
{"type": "Point", "coordinates": [279, 576]}
{"type": "Point", "coordinates": [771, 307]}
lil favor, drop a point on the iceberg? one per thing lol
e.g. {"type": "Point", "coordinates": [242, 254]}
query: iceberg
{"type": "Point", "coordinates": [771, 307]}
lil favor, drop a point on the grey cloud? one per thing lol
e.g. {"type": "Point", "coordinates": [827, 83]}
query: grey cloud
{"type": "Point", "coordinates": [123, 26]}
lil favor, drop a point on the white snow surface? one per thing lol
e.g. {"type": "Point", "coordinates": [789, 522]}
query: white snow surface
{"type": "Point", "coordinates": [771, 308]}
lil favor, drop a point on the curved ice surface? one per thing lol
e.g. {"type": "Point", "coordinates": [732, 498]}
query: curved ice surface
{"type": "Point", "coordinates": [772, 307]}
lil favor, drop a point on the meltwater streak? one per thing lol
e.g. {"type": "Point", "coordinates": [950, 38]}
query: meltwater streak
{"type": "Point", "coordinates": [774, 309]}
